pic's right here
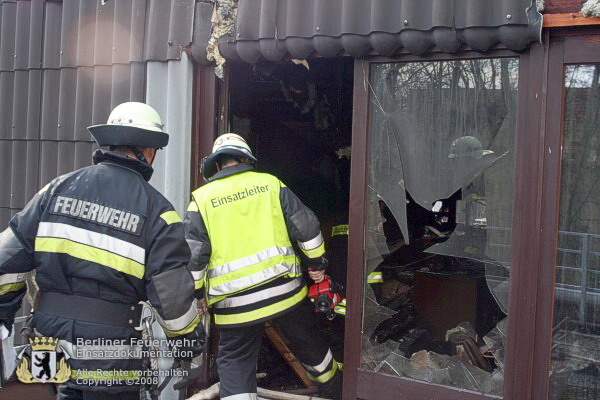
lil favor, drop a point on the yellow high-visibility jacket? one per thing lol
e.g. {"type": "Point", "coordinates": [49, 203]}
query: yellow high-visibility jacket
{"type": "Point", "coordinates": [240, 227]}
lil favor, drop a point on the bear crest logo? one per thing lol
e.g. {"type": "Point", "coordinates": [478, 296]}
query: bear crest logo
{"type": "Point", "coordinates": [43, 363]}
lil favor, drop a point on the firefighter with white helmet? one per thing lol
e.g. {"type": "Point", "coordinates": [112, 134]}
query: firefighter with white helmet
{"type": "Point", "coordinates": [240, 227]}
{"type": "Point", "coordinates": [103, 241]}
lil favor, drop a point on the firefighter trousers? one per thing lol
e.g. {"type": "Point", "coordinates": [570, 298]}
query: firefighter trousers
{"type": "Point", "coordinates": [239, 348]}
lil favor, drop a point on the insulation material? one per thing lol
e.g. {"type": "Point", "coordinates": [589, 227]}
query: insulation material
{"type": "Point", "coordinates": [541, 5]}
{"type": "Point", "coordinates": [223, 22]}
{"type": "Point", "coordinates": [591, 8]}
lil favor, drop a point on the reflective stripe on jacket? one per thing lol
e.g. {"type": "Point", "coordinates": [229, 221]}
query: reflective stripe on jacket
{"type": "Point", "coordinates": [240, 228]}
{"type": "Point", "coordinates": [101, 232]}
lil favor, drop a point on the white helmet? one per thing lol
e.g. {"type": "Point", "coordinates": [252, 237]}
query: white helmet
{"type": "Point", "coordinates": [229, 144]}
{"type": "Point", "coordinates": [131, 124]}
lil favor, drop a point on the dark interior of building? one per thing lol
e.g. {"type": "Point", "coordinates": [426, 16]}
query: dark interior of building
{"type": "Point", "coordinates": [297, 117]}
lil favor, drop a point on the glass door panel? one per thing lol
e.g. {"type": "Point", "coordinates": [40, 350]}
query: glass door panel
{"type": "Point", "coordinates": [439, 221]}
{"type": "Point", "coordinates": [575, 371]}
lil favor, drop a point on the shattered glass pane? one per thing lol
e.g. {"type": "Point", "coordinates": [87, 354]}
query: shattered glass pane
{"type": "Point", "coordinates": [439, 215]}
{"type": "Point", "coordinates": [575, 372]}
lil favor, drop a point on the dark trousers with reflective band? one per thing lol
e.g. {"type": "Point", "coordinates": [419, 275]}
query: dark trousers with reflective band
{"type": "Point", "coordinates": [68, 393]}
{"type": "Point", "coordinates": [239, 348]}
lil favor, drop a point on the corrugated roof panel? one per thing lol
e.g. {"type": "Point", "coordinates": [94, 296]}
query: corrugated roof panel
{"type": "Point", "coordinates": [5, 171]}
{"type": "Point", "coordinates": [7, 81]}
{"type": "Point", "coordinates": [66, 157]}
{"type": "Point", "coordinates": [7, 37]}
{"type": "Point", "coordinates": [52, 39]}
{"type": "Point", "coordinates": [122, 31]}
{"type": "Point", "coordinates": [4, 217]}
{"type": "Point", "coordinates": [418, 15]}
{"type": "Point", "coordinates": [202, 31]}
{"type": "Point", "coordinates": [138, 81]}
{"type": "Point", "coordinates": [248, 15]}
{"type": "Point", "coordinates": [32, 174]}
{"type": "Point", "coordinates": [181, 23]}
{"type": "Point", "coordinates": [356, 17]}
{"type": "Point", "coordinates": [156, 95]}
{"type": "Point", "coordinates": [495, 13]}
{"type": "Point", "coordinates": [83, 155]}
{"type": "Point", "coordinates": [50, 97]}
{"type": "Point", "coordinates": [18, 174]}
{"type": "Point", "coordinates": [48, 162]}
{"type": "Point", "coordinates": [22, 35]}
{"type": "Point", "coordinates": [20, 102]}
{"type": "Point", "coordinates": [138, 25]}
{"type": "Point", "coordinates": [326, 17]}
{"type": "Point", "coordinates": [84, 102]}
{"type": "Point", "coordinates": [101, 94]}
{"type": "Point", "coordinates": [69, 33]}
{"type": "Point", "coordinates": [103, 45]}
{"type": "Point", "coordinates": [157, 32]}
{"type": "Point", "coordinates": [170, 92]}
{"type": "Point", "coordinates": [34, 105]}
{"type": "Point", "coordinates": [299, 18]}
{"type": "Point", "coordinates": [121, 82]}
{"type": "Point", "coordinates": [163, 39]}
{"type": "Point", "coordinates": [385, 13]}
{"type": "Point", "coordinates": [367, 27]}
{"type": "Point", "coordinates": [36, 34]}
{"type": "Point", "coordinates": [66, 103]}
{"type": "Point", "coordinates": [86, 34]}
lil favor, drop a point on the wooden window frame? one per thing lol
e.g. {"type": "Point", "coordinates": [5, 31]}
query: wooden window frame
{"type": "Point", "coordinates": [535, 218]}
{"type": "Point", "coordinates": [360, 384]}
{"type": "Point", "coordinates": [564, 47]}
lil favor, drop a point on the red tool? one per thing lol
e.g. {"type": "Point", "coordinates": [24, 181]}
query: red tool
{"type": "Point", "coordinates": [325, 296]}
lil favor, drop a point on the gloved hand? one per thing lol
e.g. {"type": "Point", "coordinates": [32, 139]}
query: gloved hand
{"type": "Point", "coordinates": [317, 267]}
{"type": "Point", "coordinates": [190, 344]}
{"type": "Point", "coordinates": [317, 276]}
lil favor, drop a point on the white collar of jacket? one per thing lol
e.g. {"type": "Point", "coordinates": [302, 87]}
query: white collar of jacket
{"type": "Point", "coordinates": [234, 169]}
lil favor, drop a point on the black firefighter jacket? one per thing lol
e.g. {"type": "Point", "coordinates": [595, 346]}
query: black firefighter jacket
{"type": "Point", "coordinates": [100, 232]}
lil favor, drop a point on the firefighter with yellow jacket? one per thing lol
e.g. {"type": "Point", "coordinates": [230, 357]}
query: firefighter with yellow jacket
{"type": "Point", "coordinates": [240, 227]}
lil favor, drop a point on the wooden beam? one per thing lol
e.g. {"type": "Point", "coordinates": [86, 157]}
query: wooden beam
{"type": "Point", "coordinates": [568, 19]}
{"type": "Point", "coordinates": [276, 338]}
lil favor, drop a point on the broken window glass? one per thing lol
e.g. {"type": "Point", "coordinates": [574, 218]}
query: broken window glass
{"type": "Point", "coordinates": [575, 371]}
{"type": "Point", "coordinates": [439, 215]}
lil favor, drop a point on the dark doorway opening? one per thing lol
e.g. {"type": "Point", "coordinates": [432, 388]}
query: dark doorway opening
{"type": "Point", "coordinates": [297, 118]}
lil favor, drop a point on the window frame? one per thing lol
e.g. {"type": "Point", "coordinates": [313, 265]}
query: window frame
{"type": "Point", "coordinates": [369, 385]}
{"type": "Point", "coordinates": [565, 47]}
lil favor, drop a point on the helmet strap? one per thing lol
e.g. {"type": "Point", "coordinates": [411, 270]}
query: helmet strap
{"type": "Point", "coordinates": [138, 154]}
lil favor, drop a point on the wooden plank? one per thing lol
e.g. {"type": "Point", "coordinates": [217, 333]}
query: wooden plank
{"type": "Point", "coordinates": [276, 338]}
{"type": "Point", "coordinates": [568, 19]}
